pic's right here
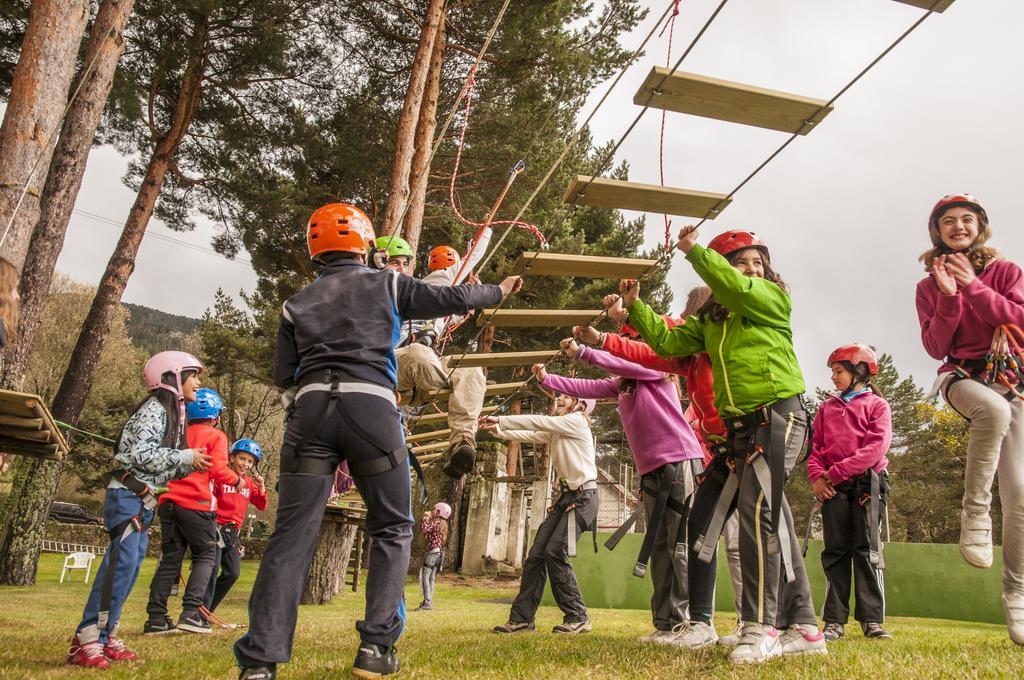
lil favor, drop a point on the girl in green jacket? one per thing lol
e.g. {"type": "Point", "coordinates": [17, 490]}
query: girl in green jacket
{"type": "Point", "coordinates": [745, 329]}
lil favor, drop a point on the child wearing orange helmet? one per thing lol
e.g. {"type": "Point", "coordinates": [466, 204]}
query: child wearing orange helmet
{"type": "Point", "coordinates": [852, 433]}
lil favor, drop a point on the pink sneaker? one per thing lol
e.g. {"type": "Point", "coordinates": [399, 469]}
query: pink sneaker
{"type": "Point", "coordinates": [88, 655]}
{"type": "Point", "coordinates": [116, 651]}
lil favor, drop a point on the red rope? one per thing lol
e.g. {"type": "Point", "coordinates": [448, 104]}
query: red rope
{"type": "Point", "coordinates": [455, 171]}
{"type": "Point", "coordinates": [671, 27]}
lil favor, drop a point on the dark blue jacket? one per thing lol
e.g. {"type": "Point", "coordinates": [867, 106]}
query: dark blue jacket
{"type": "Point", "coordinates": [350, 319]}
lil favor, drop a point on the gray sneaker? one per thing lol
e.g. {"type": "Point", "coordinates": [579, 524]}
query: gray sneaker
{"type": "Point", "coordinates": [834, 631]}
{"type": "Point", "coordinates": [875, 631]}
{"type": "Point", "coordinates": [694, 635]}
{"type": "Point", "coordinates": [514, 627]}
{"type": "Point", "coordinates": [573, 628]}
{"type": "Point", "coordinates": [802, 639]}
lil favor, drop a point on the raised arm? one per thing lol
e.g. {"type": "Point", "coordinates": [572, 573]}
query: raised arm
{"type": "Point", "coordinates": [641, 353]}
{"type": "Point", "coordinates": [603, 388]}
{"type": "Point", "coordinates": [140, 447]}
{"type": "Point", "coordinates": [938, 322]}
{"type": "Point", "coordinates": [568, 425]}
{"type": "Point", "coordinates": [667, 342]}
{"type": "Point", "coordinates": [1001, 304]}
{"type": "Point", "coordinates": [616, 365]}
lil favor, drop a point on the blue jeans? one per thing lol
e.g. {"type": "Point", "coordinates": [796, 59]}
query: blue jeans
{"type": "Point", "coordinates": [120, 506]}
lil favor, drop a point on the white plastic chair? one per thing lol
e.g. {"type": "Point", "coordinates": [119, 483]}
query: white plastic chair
{"type": "Point", "coordinates": [78, 560]}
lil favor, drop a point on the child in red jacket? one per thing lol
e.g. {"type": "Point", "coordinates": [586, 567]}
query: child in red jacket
{"type": "Point", "coordinates": [187, 522]}
{"type": "Point", "coordinates": [232, 502]}
{"type": "Point", "coordinates": [852, 433]}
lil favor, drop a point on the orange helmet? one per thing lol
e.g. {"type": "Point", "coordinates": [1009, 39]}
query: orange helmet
{"type": "Point", "coordinates": [339, 227]}
{"type": "Point", "coordinates": [442, 257]}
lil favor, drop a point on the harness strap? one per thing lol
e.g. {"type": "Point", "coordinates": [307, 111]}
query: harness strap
{"type": "Point", "coordinates": [778, 539]}
{"type": "Point", "coordinates": [707, 543]}
{"type": "Point", "coordinates": [666, 478]}
{"type": "Point", "coordinates": [683, 509]}
{"type": "Point", "coordinates": [570, 529]}
{"type": "Point", "coordinates": [624, 528]}
{"type": "Point", "coordinates": [810, 520]}
{"type": "Point", "coordinates": [117, 534]}
{"type": "Point", "coordinates": [875, 523]}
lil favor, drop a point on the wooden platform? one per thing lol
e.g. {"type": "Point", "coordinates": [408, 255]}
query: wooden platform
{"type": "Point", "coordinates": [491, 391]}
{"type": "Point", "coordinates": [435, 418]}
{"type": "Point", "coordinates": [499, 359]}
{"type": "Point", "coordinates": [427, 436]}
{"type": "Point", "coordinates": [614, 193]}
{"type": "Point", "coordinates": [28, 429]}
{"type": "Point", "coordinates": [537, 318]}
{"type": "Point", "coordinates": [732, 102]}
{"type": "Point", "coordinates": [925, 4]}
{"type": "Point", "coordinates": [583, 266]}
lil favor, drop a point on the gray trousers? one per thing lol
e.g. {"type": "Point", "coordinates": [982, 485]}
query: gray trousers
{"type": "Point", "coordinates": [767, 597]}
{"type": "Point", "coordinates": [274, 603]}
{"type": "Point", "coordinates": [670, 599]}
{"type": "Point", "coordinates": [548, 558]}
{"type": "Point", "coordinates": [427, 574]}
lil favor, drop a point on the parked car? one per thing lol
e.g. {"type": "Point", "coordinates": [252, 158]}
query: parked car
{"type": "Point", "coordinates": [72, 513]}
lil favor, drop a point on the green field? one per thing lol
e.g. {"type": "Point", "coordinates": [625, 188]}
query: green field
{"type": "Point", "coordinates": [454, 641]}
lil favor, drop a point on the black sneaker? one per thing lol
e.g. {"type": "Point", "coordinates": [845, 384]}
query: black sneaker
{"type": "Point", "coordinates": [833, 631]}
{"type": "Point", "coordinates": [374, 661]}
{"type": "Point", "coordinates": [875, 631]}
{"type": "Point", "coordinates": [424, 606]}
{"type": "Point", "coordinates": [573, 627]}
{"type": "Point", "coordinates": [258, 673]}
{"type": "Point", "coordinates": [159, 626]}
{"type": "Point", "coordinates": [461, 461]}
{"type": "Point", "coordinates": [515, 627]}
{"type": "Point", "coordinates": [194, 622]}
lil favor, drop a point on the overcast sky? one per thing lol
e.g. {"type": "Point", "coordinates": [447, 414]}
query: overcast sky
{"type": "Point", "coordinates": [844, 209]}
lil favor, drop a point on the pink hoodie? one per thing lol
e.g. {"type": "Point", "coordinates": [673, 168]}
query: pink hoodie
{"type": "Point", "coordinates": [850, 438]}
{"type": "Point", "coordinates": [962, 325]}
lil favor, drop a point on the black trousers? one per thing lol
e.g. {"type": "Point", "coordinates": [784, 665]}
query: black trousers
{"type": "Point", "coordinates": [548, 558]}
{"type": "Point", "coordinates": [302, 499]}
{"type": "Point", "coordinates": [845, 526]}
{"type": "Point", "coordinates": [180, 530]}
{"type": "Point", "coordinates": [227, 567]}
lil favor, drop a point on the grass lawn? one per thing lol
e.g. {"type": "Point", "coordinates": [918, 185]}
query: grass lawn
{"type": "Point", "coordinates": [454, 641]}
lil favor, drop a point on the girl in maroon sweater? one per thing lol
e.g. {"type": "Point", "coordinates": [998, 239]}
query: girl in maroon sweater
{"type": "Point", "coordinates": [969, 292]}
{"type": "Point", "coordinates": [852, 433]}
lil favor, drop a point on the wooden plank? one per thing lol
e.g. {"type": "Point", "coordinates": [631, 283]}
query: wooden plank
{"type": "Point", "coordinates": [498, 359]}
{"type": "Point", "coordinates": [729, 101]}
{"type": "Point", "coordinates": [491, 391]}
{"type": "Point", "coordinates": [24, 423]}
{"type": "Point", "coordinates": [24, 448]}
{"type": "Point", "coordinates": [44, 436]}
{"type": "Point", "coordinates": [435, 418]}
{"type": "Point", "coordinates": [427, 436]}
{"type": "Point", "coordinates": [537, 318]}
{"type": "Point", "coordinates": [926, 4]}
{"type": "Point", "coordinates": [602, 192]}
{"type": "Point", "coordinates": [584, 266]}
{"type": "Point", "coordinates": [440, 446]}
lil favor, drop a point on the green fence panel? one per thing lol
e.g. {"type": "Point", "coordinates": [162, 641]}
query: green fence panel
{"type": "Point", "coordinates": [921, 580]}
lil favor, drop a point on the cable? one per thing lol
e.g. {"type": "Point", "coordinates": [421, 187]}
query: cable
{"type": "Point", "coordinates": [95, 436]}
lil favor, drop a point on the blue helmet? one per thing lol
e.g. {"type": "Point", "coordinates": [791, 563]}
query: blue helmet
{"type": "Point", "coordinates": [207, 406]}
{"type": "Point", "coordinates": [248, 446]}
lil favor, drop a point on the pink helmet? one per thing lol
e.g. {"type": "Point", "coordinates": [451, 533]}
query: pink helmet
{"type": "Point", "coordinates": [443, 510]}
{"type": "Point", "coordinates": [169, 362]}
{"type": "Point", "coordinates": [588, 405]}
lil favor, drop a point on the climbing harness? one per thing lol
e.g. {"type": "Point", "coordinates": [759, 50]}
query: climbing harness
{"type": "Point", "coordinates": [1002, 365]}
{"type": "Point", "coordinates": [571, 521]}
{"type": "Point", "coordinates": [870, 490]}
{"type": "Point", "coordinates": [119, 533]}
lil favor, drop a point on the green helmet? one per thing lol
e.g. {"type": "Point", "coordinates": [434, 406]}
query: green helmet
{"type": "Point", "coordinates": [395, 245]}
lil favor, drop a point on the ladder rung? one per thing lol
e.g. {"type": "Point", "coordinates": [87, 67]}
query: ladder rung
{"type": "Point", "coordinates": [926, 4]}
{"type": "Point", "coordinates": [491, 391]}
{"type": "Point", "coordinates": [427, 436]}
{"type": "Point", "coordinates": [435, 418]}
{"type": "Point", "coordinates": [584, 266]}
{"type": "Point", "coordinates": [537, 318]}
{"type": "Point", "coordinates": [440, 446]}
{"type": "Point", "coordinates": [498, 359]}
{"type": "Point", "coordinates": [732, 102]}
{"type": "Point", "coordinates": [613, 193]}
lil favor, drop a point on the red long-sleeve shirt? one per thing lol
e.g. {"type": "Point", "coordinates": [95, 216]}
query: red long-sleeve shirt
{"type": "Point", "coordinates": [232, 502]}
{"type": "Point", "coordinates": [195, 491]}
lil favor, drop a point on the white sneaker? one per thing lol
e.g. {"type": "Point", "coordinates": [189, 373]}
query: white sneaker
{"type": "Point", "coordinates": [658, 636]}
{"type": "Point", "coordinates": [733, 639]}
{"type": "Point", "coordinates": [757, 644]}
{"type": "Point", "coordinates": [803, 639]}
{"type": "Point", "coordinates": [693, 635]}
{"type": "Point", "coordinates": [976, 540]}
{"type": "Point", "coordinates": [1013, 607]}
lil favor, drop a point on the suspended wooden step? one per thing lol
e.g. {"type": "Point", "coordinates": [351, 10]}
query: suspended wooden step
{"type": "Point", "coordinates": [729, 101]}
{"type": "Point", "coordinates": [440, 446]}
{"type": "Point", "coordinates": [435, 418]}
{"type": "Point", "coordinates": [427, 436]}
{"type": "Point", "coordinates": [583, 266]}
{"type": "Point", "coordinates": [499, 359]}
{"type": "Point", "coordinates": [926, 4]}
{"type": "Point", "coordinates": [602, 192]}
{"type": "Point", "coordinates": [27, 428]}
{"type": "Point", "coordinates": [491, 391]}
{"type": "Point", "coordinates": [537, 318]}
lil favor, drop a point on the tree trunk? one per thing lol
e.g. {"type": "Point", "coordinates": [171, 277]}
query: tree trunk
{"type": "Point", "coordinates": [456, 527]}
{"type": "Point", "coordinates": [64, 179]}
{"type": "Point", "coordinates": [39, 93]}
{"type": "Point", "coordinates": [425, 127]}
{"type": "Point", "coordinates": [30, 500]}
{"type": "Point", "coordinates": [326, 577]}
{"type": "Point", "coordinates": [405, 135]}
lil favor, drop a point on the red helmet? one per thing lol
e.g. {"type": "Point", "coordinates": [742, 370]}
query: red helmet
{"type": "Point", "coordinates": [630, 332]}
{"type": "Point", "coordinates": [952, 200]}
{"type": "Point", "coordinates": [339, 227]}
{"type": "Point", "coordinates": [855, 353]}
{"type": "Point", "coordinates": [736, 239]}
{"type": "Point", "coordinates": [442, 257]}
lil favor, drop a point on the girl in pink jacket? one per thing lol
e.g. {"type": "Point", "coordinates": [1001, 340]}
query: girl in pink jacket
{"type": "Point", "coordinates": [852, 433]}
